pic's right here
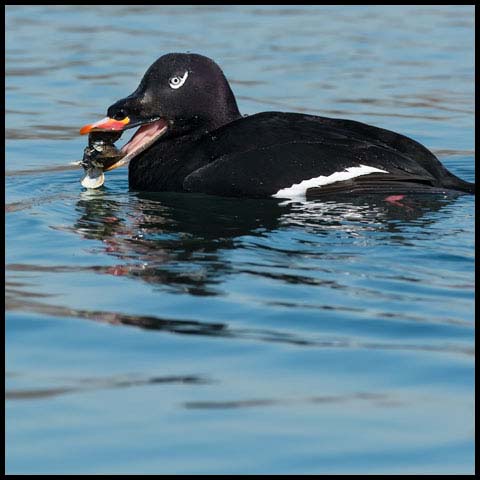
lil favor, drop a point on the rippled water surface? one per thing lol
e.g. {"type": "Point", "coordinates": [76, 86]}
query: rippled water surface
{"type": "Point", "coordinates": [176, 333]}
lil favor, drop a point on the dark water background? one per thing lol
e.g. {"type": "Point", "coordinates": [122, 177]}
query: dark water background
{"type": "Point", "coordinates": [170, 333]}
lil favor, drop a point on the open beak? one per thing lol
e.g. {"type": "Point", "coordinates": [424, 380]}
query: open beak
{"type": "Point", "coordinates": [143, 138]}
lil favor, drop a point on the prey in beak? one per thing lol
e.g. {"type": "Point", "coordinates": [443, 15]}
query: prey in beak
{"type": "Point", "coordinates": [101, 155]}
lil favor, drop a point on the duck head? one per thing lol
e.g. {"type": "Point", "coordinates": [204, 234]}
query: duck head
{"type": "Point", "coordinates": [180, 94]}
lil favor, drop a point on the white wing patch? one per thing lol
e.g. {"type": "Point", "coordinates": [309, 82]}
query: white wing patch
{"type": "Point", "coordinates": [300, 189]}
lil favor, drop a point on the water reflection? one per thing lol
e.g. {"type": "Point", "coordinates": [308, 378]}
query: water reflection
{"type": "Point", "coordinates": [180, 240]}
{"type": "Point", "coordinates": [173, 239]}
{"type": "Point", "coordinates": [21, 300]}
{"type": "Point", "coordinates": [377, 399]}
{"type": "Point", "coordinates": [181, 243]}
{"type": "Point", "coordinates": [76, 385]}
{"type": "Point", "coordinates": [72, 385]}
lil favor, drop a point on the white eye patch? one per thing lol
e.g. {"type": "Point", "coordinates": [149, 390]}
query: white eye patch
{"type": "Point", "coordinates": [177, 82]}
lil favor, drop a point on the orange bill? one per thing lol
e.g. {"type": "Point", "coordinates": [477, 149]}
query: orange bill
{"type": "Point", "coordinates": [106, 123]}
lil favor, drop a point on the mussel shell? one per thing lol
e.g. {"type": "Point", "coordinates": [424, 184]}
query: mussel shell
{"type": "Point", "coordinates": [93, 178]}
{"type": "Point", "coordinates": [108, 156]}
{"type": "Point", "coordinates": [99, 155]}
{"type": "Point", "coordinates": [101, 152]}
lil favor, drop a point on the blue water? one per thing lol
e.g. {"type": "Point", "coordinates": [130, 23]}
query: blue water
{"type": "Point", "coordinates": [176, 333]}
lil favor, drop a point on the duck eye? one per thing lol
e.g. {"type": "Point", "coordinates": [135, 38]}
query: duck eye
{"type": "Point", "coordinates": [177, 82]}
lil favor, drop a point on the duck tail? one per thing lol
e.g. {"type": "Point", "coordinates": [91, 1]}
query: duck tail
{"type": "Point", "coordinates": [455, 183]}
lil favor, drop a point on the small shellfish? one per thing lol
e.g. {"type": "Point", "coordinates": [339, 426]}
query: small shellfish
{"type": "Point", "coordinates": [98, 156]}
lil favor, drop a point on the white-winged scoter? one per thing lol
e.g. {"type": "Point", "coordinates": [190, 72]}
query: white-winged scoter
{"type": "Point", "coordinates": [193, 138]}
